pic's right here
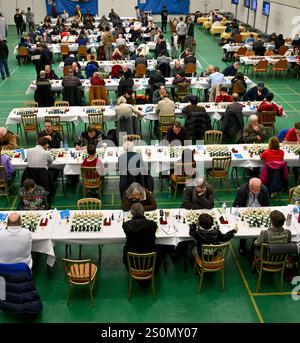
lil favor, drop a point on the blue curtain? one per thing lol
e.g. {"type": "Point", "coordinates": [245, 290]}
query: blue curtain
{"type": "Point", "coordinates": [69, 6]}
{"type": "Point", "coordinates": [173, 6]}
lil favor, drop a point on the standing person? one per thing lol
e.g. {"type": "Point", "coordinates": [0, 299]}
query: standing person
{"type": "Point", "coordinates": [3, 59]}
{"type": "Point", "coordinates": [107, 40]}
{"type": "Point", "coordinates": [3, 28]}
{"type": "Point", "coordinates": [24, 21]}
{"type": "Point", "coordinates": [181, 29]}
{"type": "Point", "coordinates": [30, 19]}
{"type": "Point", "coordinates": [190, 33]}
{"type": "Point", "coordinates": [53, 9]}
{"type": "Point", "coordinates": [18, 19]}
{"type": "Point", "coordinates": [137, 13]}
{"type": "Point", "coordinates": [164, 19]}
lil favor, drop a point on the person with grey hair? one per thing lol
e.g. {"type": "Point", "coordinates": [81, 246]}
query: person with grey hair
{"type": "Point", "coordinates": [140, 233]}
{"type": "Point", "coordinates": [15, 242]}
{"type": "Point", "coordinates": [198, 195]}
{"type": "Point", "coordinates": [254, 132]}
{"type": "Point", "coordinates": [8, 140]}
{"type": "Point", "coordinates": [232, 69]}
{"type": "Point", "coordinates": [43, 94]}
{"type": "Point", "coordinates": [137, 193]}
{"type": "Point", "coordinates": [125, 110]}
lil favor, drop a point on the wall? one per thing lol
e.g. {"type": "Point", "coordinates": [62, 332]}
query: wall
{"type": "Point", "coordinates": [280, 19]}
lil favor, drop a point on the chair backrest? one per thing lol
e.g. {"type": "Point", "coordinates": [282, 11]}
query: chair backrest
{"type": "Point", "coordinates": [78, 271]}
{"type": "Point", "coordinates": [82, 51]}
{"type": "Point", "coordinates": [61, 104]}
{"type": "Point", "coordinates": [282, 50]}
{"type": "Point", "coordinates": [167, 120]}
{"type": "Point", "coordinates": [262, 65]}
{"type": "Point", "coordinates": [281, 64]}
{"type": "Point", "coordinates": [242, 51]}
{"type": "Point", "coordinates": [90, 176]}
{"type": "Point", "coordinates": [98, 102]}
{"type": "Point", "coordinates": [250, 53]}
{"type": "Point", "coordinates": [238, 38]}
{"type": "Point", "coordinates": [267, 118]}
{"type": "Point", "coordinates": [271, 260]}
{"type": "Point", "coordinates": [3, 176]}
{"type": "Point", "coordinates": [23, 51]}
{"type": "Point", "coordinates": [29, 121]}
{"type": "Point", "coordinates": [96, 120]}
{"type": "Point", "coordinates": [98, 92]}
{"type": "Point", "coordinates": [213, 137]}
{"type": "Point", "coordinates": [214, 256]}
{"type": "Point", "coordinates": [66, 70]}
{"type": "Point", "coordinates": [190, 68]}
{"type": "Point", "coordinates": [64, 49]}
{"type": "Point", "coordinates": [141, 266]}
{"type": "Point", "coordinates": [291, 192]}
{"type": "Point", "coordinates": [30, 104]}
{"type": "Point", "coordinates": [269, 53]}
{"type": "Point", "coordinates": [140, 70]}
{"type": "Point", "coordinates": [182, 90]}
{"type": "Point", "coordinates": [89, 204]}
{"type": "Point", "coordinates": [184, 171]}
{"type": "Point", "coordinates": [220, 165]}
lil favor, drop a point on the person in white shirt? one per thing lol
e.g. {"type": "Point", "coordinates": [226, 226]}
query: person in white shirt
{"type": "Point", "coordinates": [39, 157]}
{"type": "Point", "coordinates": [181, 29]}
{"type": "Point", "coordinates": [15, 242]}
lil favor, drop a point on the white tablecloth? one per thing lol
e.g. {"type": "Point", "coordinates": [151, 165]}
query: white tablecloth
{"type": "Point", "coordinates": [252, 61]}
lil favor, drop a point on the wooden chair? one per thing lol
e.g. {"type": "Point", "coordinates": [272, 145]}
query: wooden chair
{"type": "Point", "coordinates": [241, 52]}
{"type": "Point", "coordinates": [66, 70]}
{"type": "Point", "coordinates": [220, 168]}
{"type": "Point", "coordinates": [61, 104]}
{"type": "Point", "coordinates": [165, 122]}
{"type": "Point", "coordinates": [29, 124]}
{"type": "Point", "coordinates": [280, 67]}
{"type": "Point", "coordinates": [98, 102]}
{"type": "Point", "coordinates": [141, 267]}
{"type": "Point", "coordinates": [268, 119]}
{"type": "Point", "coordinates": [269, 53]}
{"type": "Point", "coordinates": [213, 137]}
{"type": "Point", "coordinates": [182, 90]}
{"type": "Point", "coordinates": [91, 180]}
{"type": "Point", "coordinates": [80, 273]}
{"type": "Point", "coordinates": [272, 263]}
{"type": "Point", "coordinates": [4, 187]}
{"type": "Point", "coordinates": [238, 38]}
{"type": "Point", "coordinates": [140, 70]}
{"type": "Point", "coordinates": [131, 138]}
{"type": "Point", "coordinates": [190, 69]}
{"type": "Point", "coordinates": [282, 50]}
{"type": "Point", "coordinates": [64, 51]}
{"type": "Point", "coordinates": [23, 54]}
{"type": "Point", "coordinates": [291, 192]}
{"type": "Point", "coordinates": [82, 52]}
{"type": "Point", "coordinates": [98, 93]}
{"type": "Point", "coordinates": [250, 53]}
{"type": "Point", "coordinates": [56, 124]}
{"type": "Point", "coordinates": [89, 204]}
{"type": "Point", "coordinates": [182, 173]}
{"type": "Point", "coordinates": [261, 67]}
{"type": "Point", "coordinates": [30, 104]}
{"type": "Point", "coordinates": [212, 260]}
{"type": "Point", "coordinates": [96, 120]}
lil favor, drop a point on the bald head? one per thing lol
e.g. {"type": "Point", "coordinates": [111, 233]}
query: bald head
{"type": "Point", "coordinates": [42, 74]}
{"type": "Point", "coordinates": [74, 65]}
{"type": "Point", "coordinates": [14, 219]}
{"type": "Point", "coordinates": [3, 132]}
{"type": "Point", "coordinates": [255, 185]}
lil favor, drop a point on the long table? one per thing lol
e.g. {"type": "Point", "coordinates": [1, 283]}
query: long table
{"type": "Point", "coordinates": [172, 229]}
{"type": "Point", "coordinates": [253, 60]}
{"type": "Point", "coordinates": [235, 47]}
{"type": "Point", "coordinates": [158, 158]}
{"type": "Point", "coordinates": [139, 84]}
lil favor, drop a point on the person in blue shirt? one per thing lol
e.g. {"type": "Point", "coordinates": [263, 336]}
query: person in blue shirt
{"type": "Point", "coordinates": [250, 39]}
{"type": "Point", "coordinates": [82, 40]}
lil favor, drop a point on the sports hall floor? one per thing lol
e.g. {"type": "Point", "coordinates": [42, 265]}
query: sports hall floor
{"type": "Point", "coordinates": [177, 297]}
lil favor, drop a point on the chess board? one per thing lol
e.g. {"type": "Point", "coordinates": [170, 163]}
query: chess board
{"type": "Point", "coordinates": [257, 149]}
{"type": "Point", "coordinates": [256, 218]}
{"type": "Point", "coordinates": [191, 217]}
{"type": "Point", "coordinates": [293, 148]}
{"type": "Point", "coordinates": [175, 151]}
{"type": "Point", "coordinates": [58, 153]}
{"type": "Point", "coordinates": [11, 153]}
{"type": "Point", "coordinates": [218, 151]}
{"type": "Point", "coordinates": [87, 222]}
{"type": "Point", "coordinates": [81, 155]}
{"type": "Point", "coordinates": [31, 221]}
{"type": "Point", "coordinates": [151, 215]}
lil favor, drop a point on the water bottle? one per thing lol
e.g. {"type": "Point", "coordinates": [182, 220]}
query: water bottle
{"type": "Point", "coordinates": [61, 145]}
{"type": "Point", "coordinates": [236, 212]}
{"type": "Point", "coordinates": [111, 104]}
{"type": "Point", "coordinates": [66, 145]}
{"type": "Point", "coordinates": [295, 209]}
{"type": "Point", "coordinates": [224, 206]}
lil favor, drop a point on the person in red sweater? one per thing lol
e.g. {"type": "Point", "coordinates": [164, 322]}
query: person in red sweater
{"type": "Point", "coordinates": [97, 80]}
{"type": "Point", "coordinates": [293, 135]}
{"type": "Point", "coordinates": [273, 153]}
{"type": "Point", "coordinates": [223, 96]}
{"type": "Point", "coordinates": [269, 105]}
{"type": "Point", "coordinates": [92, 160]}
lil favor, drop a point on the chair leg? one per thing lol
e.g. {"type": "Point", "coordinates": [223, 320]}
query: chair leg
{"type": "Point", "coordinates": [153, 288]}
{"type": "Point", "coordinates": [201, 281]}
{"type": "Point", "coordinates": [175, 194]}
{"type": "Point", "coordinates": [129, 288]}
{"type": "Point", "coordinates": [281, 280]}
{"type": "Point", "coordinates": [91, 296]}
{"type": "Point", "coordinates": [222, 279]}
{"type": "Point", "coordinates": [259, 280]}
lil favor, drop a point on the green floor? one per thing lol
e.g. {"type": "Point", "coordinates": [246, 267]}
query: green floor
{"type": "Point", "coordinates": [177, 300]}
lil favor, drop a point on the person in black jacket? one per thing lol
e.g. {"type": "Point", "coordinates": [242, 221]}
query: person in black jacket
{"type": "Point", "coordinates": [43, 94]}
{"type": "Point", "coordinates": [164, 19]}
{"type": "Point", "coordinates": [257, 93]}
{"type": "Point", "coordinates": [204, 232]}
{"type": "Point", "coordinates": [140, 233]}
{"type": "Point", "coordinates": [53, 137]}
{"type": "Point", "coordinates": [232, 69]}
{"type": "Point", "coordinates": [91, 136]}
{"type": "Point", "coordinates": [190, 33]}
{"type": "Point", "coordinates": [3, 59]}
{"type": "Point", "coordinates": [155, 81]}
{"type": "Point", "coordinates": [251, 194]}
{"type": "Point", "coordinates": [198, 196]}
{"type": "Point", "coordinates": [177, 133]}
{"type": "Point", "coordinates": [18, 19]}
{"type": "Point", "coordinates": [233, 121]}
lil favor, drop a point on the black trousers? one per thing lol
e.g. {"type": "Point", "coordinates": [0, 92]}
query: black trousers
{"type": "Point", "coordinates": [164, 26]}
{"type": "Point", "coordinates": [181, 41]}
{"type": "Point", "coordinates": [19, 28]}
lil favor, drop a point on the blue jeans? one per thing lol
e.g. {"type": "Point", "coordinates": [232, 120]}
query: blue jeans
{"type": "Point", "coordinates": [4, 68]}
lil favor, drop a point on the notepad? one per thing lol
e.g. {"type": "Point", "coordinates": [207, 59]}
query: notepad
{"type": "Point", "coordinates": [64, 214]}
{"type": "Point", "coordinates": [238, 156]}
{"type": "Point", "coordinates": [3, 216]}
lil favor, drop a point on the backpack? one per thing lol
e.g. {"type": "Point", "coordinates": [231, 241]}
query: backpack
{"type": "Point", "coordinates": [90, 69]}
